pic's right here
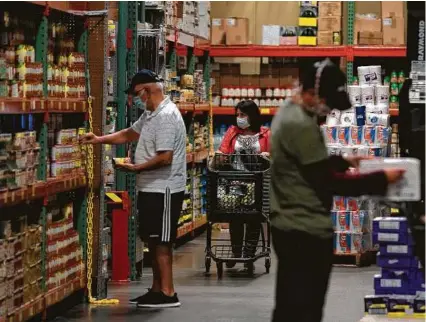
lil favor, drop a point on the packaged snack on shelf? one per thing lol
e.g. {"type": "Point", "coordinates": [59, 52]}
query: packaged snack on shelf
{"type": "Point", "coordinates": [347, 243]}
{"type": "Point", "coordinates": [343, 135]}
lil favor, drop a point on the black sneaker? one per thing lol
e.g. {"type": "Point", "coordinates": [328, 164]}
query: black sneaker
{"type": "Point", "coordinates": [159, 301]}
{"type": "Point", "coordinates": [144, 297]}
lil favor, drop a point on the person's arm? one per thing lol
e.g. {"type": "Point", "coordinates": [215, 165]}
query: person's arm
{"type": "Point", "coordinates": [128, 135]}
{"type": "Point", "coordinates": [226, 145]}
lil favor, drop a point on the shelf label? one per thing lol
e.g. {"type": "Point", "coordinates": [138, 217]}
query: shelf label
{"type": "Point", "coordinates": [265, 111]}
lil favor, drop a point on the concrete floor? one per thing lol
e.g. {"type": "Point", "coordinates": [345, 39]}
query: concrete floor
{"type": "Point", "coordinates": [236, 298]}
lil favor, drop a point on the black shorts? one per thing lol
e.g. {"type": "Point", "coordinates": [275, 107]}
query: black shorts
{"type": "Point", "coordinates": [159, 215]}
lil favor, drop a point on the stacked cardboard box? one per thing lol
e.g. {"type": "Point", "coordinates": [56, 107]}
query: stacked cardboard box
{"type": "Point", "coordinates": [308, 23]}
{"type": "Point", "coordinates": [368, 30]}
{"type": "Point", "coordinates": [229, 31]}
{"type": "Point", "coordinates": [393, 23]}
{"type": "Point", "coordinates": [399, 289]}
{"type": "Point", "coordinates": [330, 23]}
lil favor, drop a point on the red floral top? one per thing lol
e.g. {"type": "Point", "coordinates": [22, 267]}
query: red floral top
{"type": "Point", "coordinates": [228, 143]}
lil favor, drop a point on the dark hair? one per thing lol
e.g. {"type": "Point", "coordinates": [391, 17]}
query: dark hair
{"type": "Point", "coordinates": [253, 112]}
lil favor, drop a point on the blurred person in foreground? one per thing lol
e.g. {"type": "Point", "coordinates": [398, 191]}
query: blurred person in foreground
{"type": "Point", "coordinates": [304, 180]}
{"type": "Point", "coordinates": [160, 167]}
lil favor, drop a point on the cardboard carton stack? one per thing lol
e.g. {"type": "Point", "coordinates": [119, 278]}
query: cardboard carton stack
{"type": "Point", "coordinates": [330, 23]}
{"type": "Point", "coordinates": [308, 23]}
{"type": "Point", "coordinates": [229, 31]}
{"type": "Point", "coordinates": [368, 30]}
{"type": "Point", "coordinates": [400, 287]}
{"type": "Point", "coordinates": [393, 23]}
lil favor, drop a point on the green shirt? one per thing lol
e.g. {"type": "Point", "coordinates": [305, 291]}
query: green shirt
{"type": "Point", "coordinates": [296, 141]}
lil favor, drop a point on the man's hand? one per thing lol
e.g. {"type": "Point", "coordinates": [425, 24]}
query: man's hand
{"type": "Point", "coordinates": [265, 155]}
{"type": "Point", "coordinates": [355, 160]}
{"type": "Point", "coordinates": [394, 175]}
{"type": "Point", "coordinates": [89, 138]}
{"type": "Point", "coordinates": [127, 167]}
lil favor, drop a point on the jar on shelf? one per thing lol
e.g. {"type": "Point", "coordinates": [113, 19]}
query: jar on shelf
{"type": "Point", "coordinates": [231, 92]}
{"type": "Point", "coordinates": [10, 72]}
{"type": "Point", "coordinates": [258, 92]}
{"type": "Point", "coordinates": [282, 92]}
{"type": "Point", "coordinates": [237, 92]}
{"type": "Point", "coordinates": [236, 101]}
{"type": "Point", "coordinates": [268, 92]}
{"type": "Point", "coordinates": [280, 101]}
{"type": "Point", "coordinates": [274, 102]}
{"type": "Point", "coordinates": [288, 92]}
{"type": "Point", "coordinates": [244, 92]}
{"type": "Point", "coordinates": [225, 91]}
{"type": "Point", "coordinates": [277, 92]}
{"type": "Point", "coordinates": [223, 101]}
{"type": "Point", "coordinates": [250, 92]}
{"type": "Point", "coordinates": [230, 101]}
{"type": "Point", "coordinates": [268, 102]}
{"type": "Point", "coordinates": [256, 101]}
{"type": "Point", "coordinates": [216, 100]}
{"type": "Point", "coordinates": [262, 103]}
{"type": "Point", "coordinates": [14, 89]}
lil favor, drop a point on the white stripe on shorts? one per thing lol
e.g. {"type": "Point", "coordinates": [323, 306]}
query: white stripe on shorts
{"type": "Point", "coordinates": [165, 236]}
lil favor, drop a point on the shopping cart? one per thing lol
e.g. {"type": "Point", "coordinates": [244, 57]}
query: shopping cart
{"type": "Point", "coordinates": [238, 191]}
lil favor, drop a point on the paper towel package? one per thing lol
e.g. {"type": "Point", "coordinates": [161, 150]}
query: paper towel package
{"type": "Point", "coordinates": [407, 189]}
{"type": "Point", "coordinates": [390, 224]}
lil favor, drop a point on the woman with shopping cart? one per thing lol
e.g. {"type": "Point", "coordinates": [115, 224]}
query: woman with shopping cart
{"type": "Point", "coordinates": [237, 150]}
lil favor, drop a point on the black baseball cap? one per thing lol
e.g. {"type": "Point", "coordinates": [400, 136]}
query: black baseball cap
{"type": "Point", "coordinates": [144, 76]}
{"type": "Point", "coordinates": [332, 84]}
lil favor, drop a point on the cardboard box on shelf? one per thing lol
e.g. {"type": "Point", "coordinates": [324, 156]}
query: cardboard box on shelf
{"type": "Point", "coordinates": [308, 16]}
{"type": "Point", "coordinates": [330, 23]}
{"type": "Point", "coordinates": [325, 38]}
{"type": "Point", "coordinates": [288, 35]}
{"type": "Point", "coordinates": [366, 24]}
{"type": "Point", "coordinates": [271, 81]}
{"type": "Point", "coordinates": [330, 8]}
{"type": "Point", "coordinates": [229, 80]}
{"type": "Point", "coordinates": [269, 69]}
{"type": "Point", "coordinates": [370, 38]}
{"type": "Point", "coordinates": [271, 35]}
{"type": "Point", "coordinates": [230, 69]}
{"type": "Point", "coordinates": [249, 81]}
{"type": "Point", "coordinates": [307, 36]}
{"type": "Point", "coordinates": [237, 31]}
{"type": "Point", "coordinates": [218, 32]}
{"type": "Point", "coordinates": [393, 31]}
{"type": "Point", "coordinates": [392, 9]}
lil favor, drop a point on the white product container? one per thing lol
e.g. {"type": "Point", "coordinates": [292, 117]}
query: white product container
{"type": "Point", "coordinates": [225, 91]}
{"type": "Point", "coordinates": [262, 102]}
{"type": "Point", "coordinates": [258, 92]}
{"type": "Point", "coordinates": [288, 92]}
{"type": "Point", "coordinates": [256, 101]}
{"type": "Point", "coordinates": [274, 102]}
{"type": "Point", "coordinates": [250, 92]}
{"type": "Point", "coordinates": [268, 102]}
{"type": "Point", "coordinates": [230, 101]}
{"type": "Point", "coordinates": [277, 92]}
{"type": "Point", "coordinates": [224, 101]}
{"type": "Point", "coordinates": [269, 92]}
{"type": "Point", "coordinates": [237, 92]}
{"type": "Point", "coordinates": [236, 101]}
{"type": "Point", "coordinates": [244, 92]}
{"type": "Point", "coordinates": [280, 101]}
{"type": "Point", "coordinates": [282, 92]}
{"type": "Point", "coordinates": [231, 92]}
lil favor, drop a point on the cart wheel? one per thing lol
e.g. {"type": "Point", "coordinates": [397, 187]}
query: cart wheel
{"type": "Point", "coordinates": [208, 263]}
{"type": "Point", "coordinates": [250, 268]}
{"type": "Point", "coordinates": [219, 266]}
{"type": "Point", "coordinates": [267, 264]}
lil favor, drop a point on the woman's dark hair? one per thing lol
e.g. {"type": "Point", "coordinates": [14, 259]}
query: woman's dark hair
{"type": "Point", "coordinates": [251, 109]}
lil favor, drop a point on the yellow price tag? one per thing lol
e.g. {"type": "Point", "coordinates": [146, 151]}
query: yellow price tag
{"type": "Point", "coordinates": [265, 111]}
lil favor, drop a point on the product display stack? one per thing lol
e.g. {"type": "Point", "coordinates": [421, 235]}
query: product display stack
{"type": "Point", "coordinates": [400, 287]}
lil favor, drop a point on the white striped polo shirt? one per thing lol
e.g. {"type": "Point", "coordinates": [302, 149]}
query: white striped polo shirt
{"type": "Point", "coordinates": [161, 130]}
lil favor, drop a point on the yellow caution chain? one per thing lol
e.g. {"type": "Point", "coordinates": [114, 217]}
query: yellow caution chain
{"type": "Point", "coordinates": [90, 198]}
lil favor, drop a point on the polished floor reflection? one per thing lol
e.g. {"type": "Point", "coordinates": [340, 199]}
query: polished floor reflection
{"type": "Point", "coordinates": [235, 298]}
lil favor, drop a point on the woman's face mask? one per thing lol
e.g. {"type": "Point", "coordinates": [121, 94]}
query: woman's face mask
{"type": "Point", "coordinates": [243, 123]}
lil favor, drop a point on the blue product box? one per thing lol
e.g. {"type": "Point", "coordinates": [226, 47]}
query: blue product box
{"type": "Point", "coordinates": [419, 305]}
{"type": "Point", "coordinates": [396, 261]}
{"type": "Point", "coordinates": [396, 250]}
{"type": "Point", "coordinates": [399, 238]}
{"type": "Point", "coordinates": [390, 224]}
{"type": "Point", "coordinates": [402, 273]}
{"type": "Point", "coordinates": [418, 283]}
{"type": "Point", "coordinates": [401, 286]}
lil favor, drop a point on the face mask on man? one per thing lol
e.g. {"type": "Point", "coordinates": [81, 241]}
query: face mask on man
{"type": "Point", "coordinates": [137, 101]}
{"type": "Point", "coordinates": [243, 123]}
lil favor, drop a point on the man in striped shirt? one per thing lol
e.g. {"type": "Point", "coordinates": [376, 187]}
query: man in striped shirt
{"type": "Point", "coordinates": [160, 167]}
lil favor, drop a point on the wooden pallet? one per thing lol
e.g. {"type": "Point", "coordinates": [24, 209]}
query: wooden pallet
{"type": "Point", "coordinates": [354, 260]}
